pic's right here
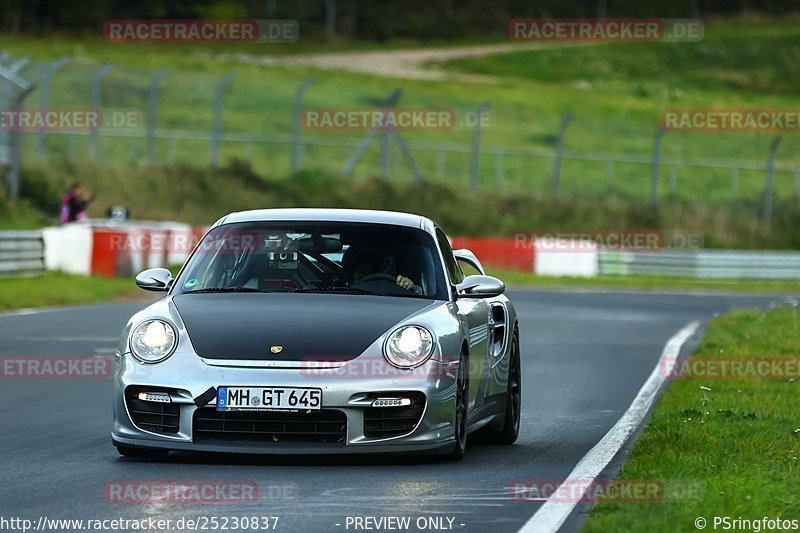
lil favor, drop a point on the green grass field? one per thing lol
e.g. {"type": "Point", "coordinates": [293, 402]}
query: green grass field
{"type": "Point", "coordinates": [528, 279]}
{"type": "Point", "coordinates": [737, 441]}
{"type": "Point", "coordinates": [54, 289]}
{"type": "Point", "coordinates": [616, 90]}
{"type": "Point", "coordinates": [742, 56]}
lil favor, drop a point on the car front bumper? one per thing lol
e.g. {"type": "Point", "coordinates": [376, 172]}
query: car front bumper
{"type": "Point", "coordinates": [346, 387]}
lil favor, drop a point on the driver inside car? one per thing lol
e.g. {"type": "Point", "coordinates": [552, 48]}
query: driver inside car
{"type": "Point", "coordinates": [363, 263]}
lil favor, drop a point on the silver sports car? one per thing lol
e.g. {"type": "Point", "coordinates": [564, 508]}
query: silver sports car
{"type": "Point", "coordinates": [319, 331]}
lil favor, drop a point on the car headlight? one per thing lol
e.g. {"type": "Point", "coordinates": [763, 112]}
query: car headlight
{"type": "Point", "coordinates": [409, 346]}
{"type": "Point", "coordinates": [153, 341]}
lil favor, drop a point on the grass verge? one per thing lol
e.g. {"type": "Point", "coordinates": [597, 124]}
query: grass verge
{"type": "Point", "coordinates": [737, 441]}
{"type": "Point", "coordinates": [517, 279]}
{"type": "Point", "coordinates": [55, 288]}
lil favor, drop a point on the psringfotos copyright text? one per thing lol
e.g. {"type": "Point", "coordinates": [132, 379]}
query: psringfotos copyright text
{"type": "Point", "coordinates": [728, 523]}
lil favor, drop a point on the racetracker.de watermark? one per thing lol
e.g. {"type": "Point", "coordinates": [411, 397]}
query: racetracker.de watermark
{"type": "Point", "coordinates": [606, 29]}
{"type": "Point", "coordinates": [581, 241]}
{"type": "Point", "coordinates": [176, 241]}
{"type": "Point", "coordinates": [201, 31]}
{"type": "Point", "coordinates": [595, 490]}
{"type": "Point", "coordinates": [56, 367]}
{"type": "Point", "coordinates": [69, 120]}
{"type": "Point", "coordinates": [775, 368]}
{"type": "Point", "coordinates": [169, 492]}
{"type": "Point", "coordinates": [731, 119]}
{"type": "Point", "coordinates": [367, 119]}
{"type": "Point", "coordinates": [366, 367]}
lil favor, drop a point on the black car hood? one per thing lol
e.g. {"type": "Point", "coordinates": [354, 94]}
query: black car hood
{"type": "Point", "coordinates": [333, 327]}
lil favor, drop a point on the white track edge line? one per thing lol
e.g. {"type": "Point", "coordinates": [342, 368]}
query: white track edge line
{"type": "Point", "coordinates": [552, 515]}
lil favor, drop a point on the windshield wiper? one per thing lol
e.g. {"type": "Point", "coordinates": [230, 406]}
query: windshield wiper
{"type": "Point", "coordinates": [226, 289]}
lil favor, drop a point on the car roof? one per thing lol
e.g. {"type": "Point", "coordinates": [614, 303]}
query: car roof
{"type": "Point", "coordinates": [394, 218]}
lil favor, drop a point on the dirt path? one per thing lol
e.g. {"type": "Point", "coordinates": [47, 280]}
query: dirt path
{"type": "Point", "coordinates": [408, 64]}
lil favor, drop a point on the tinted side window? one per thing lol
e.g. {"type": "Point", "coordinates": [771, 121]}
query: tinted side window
{"type": "Point", "coordinates": [453, 270]}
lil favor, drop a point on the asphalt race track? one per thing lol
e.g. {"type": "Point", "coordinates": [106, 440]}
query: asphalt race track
{"type": "Point", "coordinates": [585, 357]}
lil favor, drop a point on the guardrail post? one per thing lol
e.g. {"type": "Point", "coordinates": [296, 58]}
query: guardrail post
{"type": "Point", "coordinates": [297, 140]}
{"type": "Point", "coordinates": [216, 128]}
{"type": "Point", "coordinates": [16, 147]}
{"type": "Point", "coordinates": [70, 147]}
{"type": "Point", "coordinates": [499, 166]}
{"type": "Point", "coordinates": [768, 188]}
{"type": "Point", "coordinates": [385, 153]}
{"type": "Point", "coordinates": [656, 155]}
{"type": "Point", "coordinates": [94, 99]}
{"type": "Point", "coordinates": [135, 151]}
{"type": "Point", "coordinates": [152, 108]}
{"type": "Point", "coordinates": [249, 146]}
{"type": "Point", "coordinates": [351, 161]}
{"type": "Point", "coordinates": [476, 146]}
{"type": "Point", "coordinates": [10, 141]}
{"type": "Point", "coordinates": [47, 77]}
{"type": "Point", "coordinates": [673, 178]}
{"type": "Point", "coordinates": [172, 149]}
{"type": "Point", "coordinates": [559, 153]}
{"type": "Point", "coordinates": [406, 153]}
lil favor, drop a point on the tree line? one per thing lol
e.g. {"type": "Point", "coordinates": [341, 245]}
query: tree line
{"type": "Point", "coordinates": [368, 20]}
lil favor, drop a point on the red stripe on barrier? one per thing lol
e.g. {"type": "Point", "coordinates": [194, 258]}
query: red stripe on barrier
{"type": "Point", "coordinates": [498, 252]}
{"type": "Point", "coordinates": [104, 257]}
{"type": "Point", "coordinates": [109, 256]}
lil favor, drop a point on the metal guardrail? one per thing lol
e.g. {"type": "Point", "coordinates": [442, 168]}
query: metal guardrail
{"type": "Point", "coordinates": [707, 264]}
{"type": "Point", "coordinates": [21, 253]}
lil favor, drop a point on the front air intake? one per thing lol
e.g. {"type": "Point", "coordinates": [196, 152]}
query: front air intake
{"type": "Point", "coordinates": [156, 416]}
{"type": "Point", "coordinates": [383, 422]}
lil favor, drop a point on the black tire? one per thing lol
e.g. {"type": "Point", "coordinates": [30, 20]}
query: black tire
{"type": "Point", "coordinates": [510, 431]}
{"type": "Point", "coordinates": [462, 407]}
{"type": "Point", "coordinates": [142, 453]}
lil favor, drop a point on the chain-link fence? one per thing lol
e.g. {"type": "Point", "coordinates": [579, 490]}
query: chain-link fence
{"type": "Point", "coordinates": [524, 145]}
{"type": "Point", "coordinates": [14, 88]}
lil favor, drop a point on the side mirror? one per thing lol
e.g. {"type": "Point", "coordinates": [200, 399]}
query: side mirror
{"type": "Point", "coordinates": [480, 287]}
{"type": "Point", "coordinates": [154, 279]}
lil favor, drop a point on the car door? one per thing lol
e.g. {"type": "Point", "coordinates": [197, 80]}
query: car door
{"type": "Point", "coordinates": [474, 314]}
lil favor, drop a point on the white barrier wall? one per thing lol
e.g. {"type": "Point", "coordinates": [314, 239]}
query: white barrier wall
{"type": "Point", "coordinates": [565, 257]}
{"type": "Point", "coordinates": [68, 248]}
{"type": "Point", "coordinates": [181, 235]}
{"type": "Point", "coordinates": [116, 248]}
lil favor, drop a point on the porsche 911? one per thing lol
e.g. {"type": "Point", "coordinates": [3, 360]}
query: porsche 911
{"type": "Point", "coordinates": [312, 331]}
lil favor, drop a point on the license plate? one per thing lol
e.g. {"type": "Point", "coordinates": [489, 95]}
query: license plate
{"type": "Point", "coordinates": [268, 399]}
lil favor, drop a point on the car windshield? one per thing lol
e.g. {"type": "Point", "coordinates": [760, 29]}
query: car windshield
{"type": "Point", "coordinates": [347, 258]}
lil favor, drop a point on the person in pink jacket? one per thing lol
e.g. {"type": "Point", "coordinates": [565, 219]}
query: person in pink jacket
{"type": "Point", "coordinates": [74, 204]}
